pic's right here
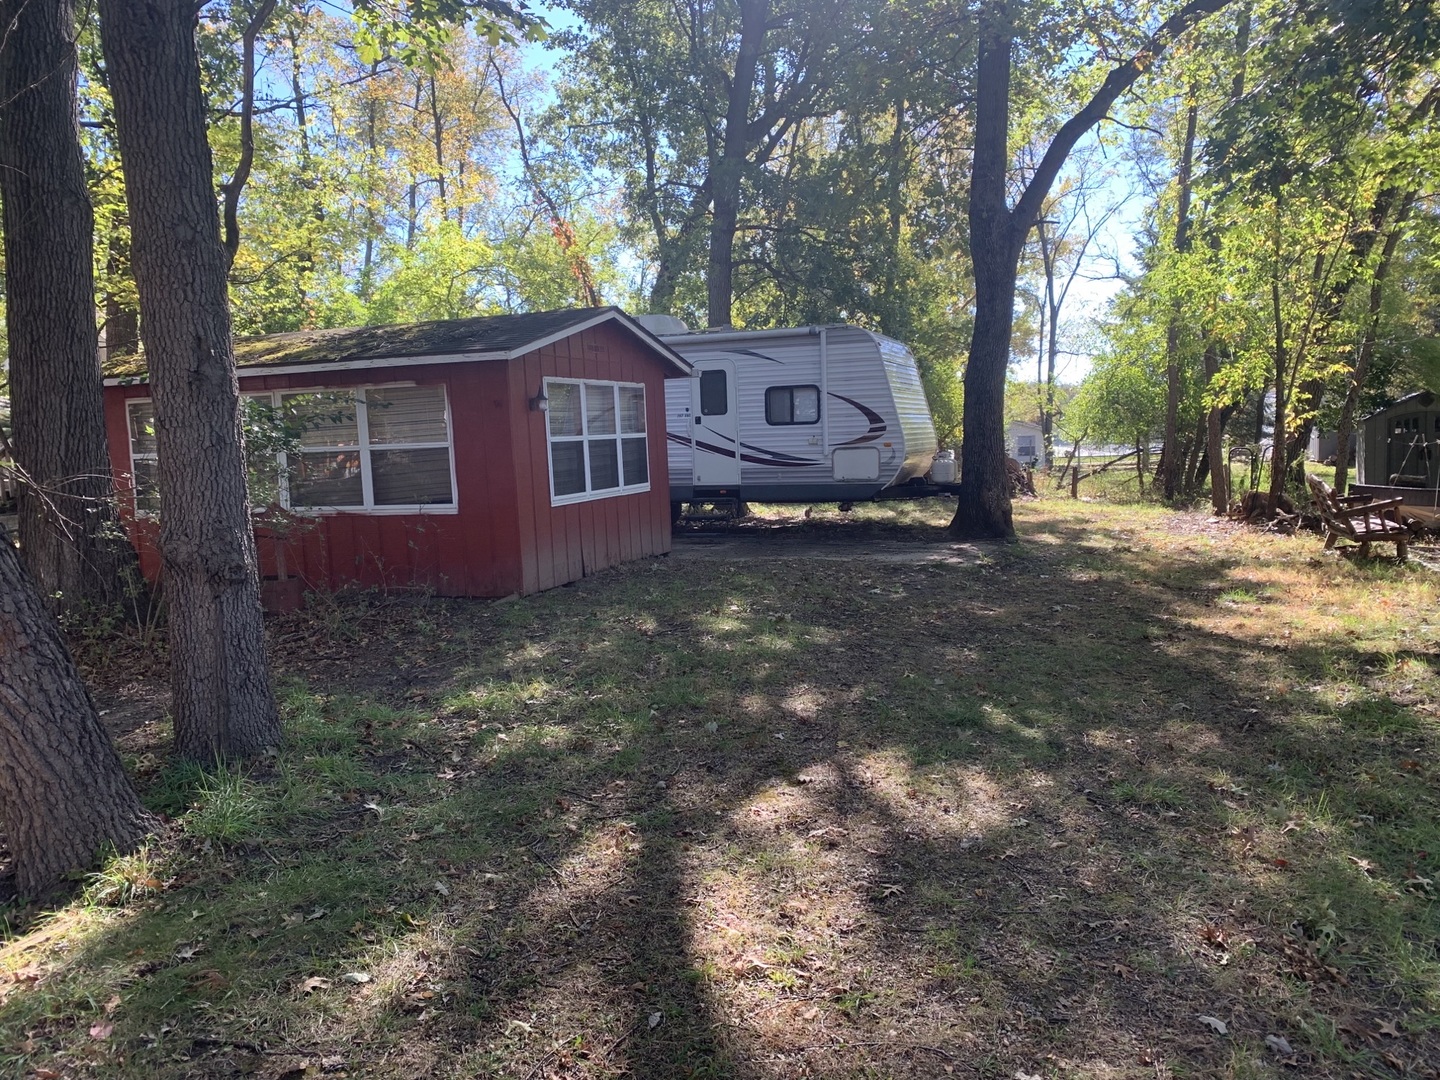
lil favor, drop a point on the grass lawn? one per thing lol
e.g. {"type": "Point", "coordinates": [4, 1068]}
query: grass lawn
{"type": "Point", "coordinates": [1141, 795]}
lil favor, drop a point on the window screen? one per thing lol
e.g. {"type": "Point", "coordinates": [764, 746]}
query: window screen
{"type": "Point", "coordinates": [377, 448]}
{"type": "Point", "coordinates": [714, 393]}
{"type": "Point", "coordinates": [792, 405]}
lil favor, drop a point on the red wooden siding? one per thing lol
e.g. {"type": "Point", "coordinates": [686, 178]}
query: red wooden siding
{"type": "Point", "coordinates": [565, 543]}
{"type": "Point", "coordinates": [504, 536]}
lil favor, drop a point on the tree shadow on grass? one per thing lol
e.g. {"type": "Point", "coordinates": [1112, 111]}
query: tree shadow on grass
{"type": "Point", "coordinates": [936, 822]}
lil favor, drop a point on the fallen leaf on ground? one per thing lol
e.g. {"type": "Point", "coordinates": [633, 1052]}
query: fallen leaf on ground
{"type": "Point", "coordinates": [315, 982]}
{"type": "Point", "coordinates": [1388, 1027]}
{"type": "Point", "coordinates": [101, 1031]}
{"type": "Point", "coordinates": [356, 977]}
{"type": "Point", "coordinates": [1217, 1026]}
{"type": "Point", "coordinates": [1279, 1045]}
{"type": "Point", "coordinates": [654, 1021]}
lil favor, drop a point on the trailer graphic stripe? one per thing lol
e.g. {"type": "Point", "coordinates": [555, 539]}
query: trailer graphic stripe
{"type": "Point", "coordinates": [878, 426]}
{"type": "Point", "coordinates": [779, 461]}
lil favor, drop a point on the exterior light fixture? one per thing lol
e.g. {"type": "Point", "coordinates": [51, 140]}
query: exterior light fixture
{"type": "Point", "coordinates": [540, 403]}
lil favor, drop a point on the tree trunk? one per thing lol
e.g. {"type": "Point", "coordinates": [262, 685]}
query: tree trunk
{"type": "Point", "coordinates": [997, 236]}
{"type": "Point", "coordinates": [1282, 369]}
{"type": "Point", "coordinates": [1173, 463]}
{"type": "Point", "coordinates": [897, 162]}
{"type": "Point", "coordinates": [1346, 425]}
{"type": "Point", "coordinates": [1047, 411]}
{"type": "Point", "coordinates": [222, 703]}
{"type": "Point", "coordinates": [68, 528]}
{"type": "Point", "coordinates": [64, 795]}
{"type": "Point", "coordinates": [729, 170]}
{"type": "Point", "coordinates": [1214, 450]}
{"type": "Point", "coordinates": [122, 321]}
{"type": "Point", "coordinates": [983, 501]}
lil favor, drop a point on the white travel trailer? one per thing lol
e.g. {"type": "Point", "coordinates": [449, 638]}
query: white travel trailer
{"type": "Point", "coordinates": [811, 414]}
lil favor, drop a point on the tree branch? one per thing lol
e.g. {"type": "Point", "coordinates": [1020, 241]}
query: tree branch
{"type": "Point", "coordinates": [1116, 83]}
{"type": "Point", "coordinates": [236, 183]}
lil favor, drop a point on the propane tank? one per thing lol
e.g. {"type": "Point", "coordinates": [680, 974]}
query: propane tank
{"type": "Point", "coordinates": [943, 469]}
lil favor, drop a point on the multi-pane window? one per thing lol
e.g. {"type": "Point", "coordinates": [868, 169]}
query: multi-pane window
{"type": "Point", "coordinates": [792, 405]}
{"type": "Point", "coordinates": [597, 440]}
{"type": "Point", "coordinates": [144, 459]}
{"type": "Point", "coordinates": [380, 449]}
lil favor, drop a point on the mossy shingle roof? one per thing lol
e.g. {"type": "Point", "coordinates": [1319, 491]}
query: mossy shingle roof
{"type": "Point", "coordinates": [489, 334]}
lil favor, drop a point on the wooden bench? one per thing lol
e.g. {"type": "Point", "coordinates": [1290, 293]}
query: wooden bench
{"type": "Point", "coordinates": [1359, 518]}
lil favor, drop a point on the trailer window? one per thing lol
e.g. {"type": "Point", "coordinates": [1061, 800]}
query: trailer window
{"type": "Point", "coordinates": [792, 405]}
{"type": "Point", "coordinates": [714, 394]}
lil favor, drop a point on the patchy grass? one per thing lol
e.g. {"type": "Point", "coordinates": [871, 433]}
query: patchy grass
{"type": "Point", "coordinates": [1030, 808]}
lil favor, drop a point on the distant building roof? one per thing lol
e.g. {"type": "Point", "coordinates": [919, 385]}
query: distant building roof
{"type": "Point", "coordinates": [489, 337]}
{"type": "Point", "coordinates": [1423, 398]}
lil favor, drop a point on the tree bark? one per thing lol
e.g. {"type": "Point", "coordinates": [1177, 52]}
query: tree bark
{"type": "Point", "coordinates": [1281, 361]}
{"type": "Point", "coordinates": [1214, 433]}
{"type": "Point", "coordinates": [69, 533]}
{"type": "Point", "coordinates": [997, 236]}
{"type": "Point", "coordinates": [222, 702]}
{"type": "Point", "coordinates": [64, 795]}
{"type": "Point", "coordinates": [1171, 456]}
{"type": "Point", "coordinates": [1346, 424]}
{"type": "Point", "coordinates": [729, 170]}
{"type": "Point", "coordinates": [983, 508]}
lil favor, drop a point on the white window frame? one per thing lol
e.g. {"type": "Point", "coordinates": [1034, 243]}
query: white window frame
{"type": "Point", "coordinates": [618, 437]}
{"type": "Point", "coordinates": [368, 507]}
{"type": "Point", "coordinates": [792, 422]}
{"type": "Point", "coordinates": [155, 457]}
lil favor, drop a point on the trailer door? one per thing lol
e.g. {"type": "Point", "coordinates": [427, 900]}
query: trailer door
{"type": "Point", "coordinates": [717, 427]}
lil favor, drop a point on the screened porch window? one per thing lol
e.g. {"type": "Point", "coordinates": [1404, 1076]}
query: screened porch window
{"type": "Point", "coordinates": [377, 449]}
{"type": "Point", "coordinates": [597, 440]}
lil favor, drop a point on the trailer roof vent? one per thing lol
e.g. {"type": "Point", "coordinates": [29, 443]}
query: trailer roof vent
{"type": "Point", "coordinates": [661, 325]}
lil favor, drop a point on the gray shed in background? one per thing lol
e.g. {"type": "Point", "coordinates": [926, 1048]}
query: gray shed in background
{"type": "Point", "coordinates": [1399, 451]}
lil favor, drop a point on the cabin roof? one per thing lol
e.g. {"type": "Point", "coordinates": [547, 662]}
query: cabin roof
{"type": "Point", "coordinates": [488, 337]}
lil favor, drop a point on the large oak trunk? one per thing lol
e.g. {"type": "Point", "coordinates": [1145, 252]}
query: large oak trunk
{"type": "Point", "coordinates": [997, 235]}
{"type": "Point", "coordinates": [64, 795]}
{"type": "Point", "coordinates": [222, 702]}
{"type": "Point", "coordinates": [727, 172]}
{"type": "Point", "coordinates": [983, 509]}
{"type": "Point", "coordinates": [983, 503]}
{"type": "Point", "coordinates": [68, 529]}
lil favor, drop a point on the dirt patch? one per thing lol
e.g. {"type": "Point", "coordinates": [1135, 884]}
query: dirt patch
{"type": "Point", "coordinates": [787, 533]}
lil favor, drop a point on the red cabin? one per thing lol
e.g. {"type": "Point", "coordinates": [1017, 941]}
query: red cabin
{"type": "Point", "coordinates": [474, 457]}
